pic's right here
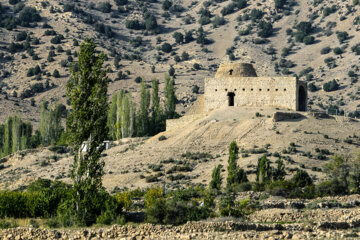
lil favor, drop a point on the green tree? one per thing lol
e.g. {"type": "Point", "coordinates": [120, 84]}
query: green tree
{"type": "Point", "coordinates": [236, 175]}
{"type": "Point", "coordinates": [87, 90]}
{"type": "Point", "coordinates": [170, 102]}
{"type": "Point", "coordinates": [216, 178]}
{"type": "Point", "coordinates": [143, 114]}
{"type": "Point", "coordinates": [50, 124]}
{"type": "Point", "coordinates": [128, 112]}
{"type": "Point", "coordinates": [179, 37]}
{"type": "Point", "coordinates": [279, 172]}
{"type": "Point", "coordinates": [111, 120]}
{"type": "Point", "coordinates": [15, 135]}
{"type": "Point", "coordinates": [157, 117]}
{"type": "Point", "coordinates": [301, 178]}
{"type": "Point", "coordinates": [263, 170]}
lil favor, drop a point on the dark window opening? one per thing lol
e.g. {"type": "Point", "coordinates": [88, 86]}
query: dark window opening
{"type": "Point", "coordinates": [252, 89]}
{"type": "Point", "coordinates": [284, 89]}
{"type": "Point", "coordinates": [268, 90]}
{"type": "Point", "coordinates": [231, 71]}
{"type": "Point", "coordinates": [243, 89]}
{"type": "Point", "coordinates": [231, 96]}
{"type": "Point", "coordinates": [276, 89]}
{"type": "Point", "coordinates": [302, 99]}
{"type": "Point", "coordinates": [260, 89]}
{"type": "Point", "coordinates": [225, 89]}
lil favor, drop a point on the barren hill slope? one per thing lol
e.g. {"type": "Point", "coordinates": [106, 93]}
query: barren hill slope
{"type": "Point", "coordinates": [197, 147]}
{"type": "Point", "coordinates": [138, 50]}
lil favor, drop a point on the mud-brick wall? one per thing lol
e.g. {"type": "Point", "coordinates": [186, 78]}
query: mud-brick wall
{"type": "Point", "coordinates": [251, 91]}
{"type": "Point", "coordinates": [181, 122]}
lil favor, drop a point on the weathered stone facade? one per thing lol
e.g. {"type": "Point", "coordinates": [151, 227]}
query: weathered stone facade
{"type": "Point", "coordinates": [238, 85]}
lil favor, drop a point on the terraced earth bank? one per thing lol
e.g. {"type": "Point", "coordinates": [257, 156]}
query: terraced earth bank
{"type": "Point", "coordinates": [276, 218]}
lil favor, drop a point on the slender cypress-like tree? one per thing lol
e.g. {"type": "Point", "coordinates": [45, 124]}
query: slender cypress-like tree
{"type": "Point", "coordinates": [119, 106]}
{"type": "Point", "coordinates": [87, 90]}
{"type": "Point", "coordinates": [170, 102]}
{"type": "Point", "coordinates": [50, 124]}
{"type": "Point", "coordinates": [143, 114]}
{"type": "Point", "coordinates": [157, 117]}
{"type": "Point", "coordinates": [236, 175]}
{"type": "Point", "coordinates": [15, 135]}
{"type": "Point", "coordinates": [216, 179]}
{"type": "Point", "coordinates": [263, 170]}
{"type": "Point", "coordinates": [111, 123]}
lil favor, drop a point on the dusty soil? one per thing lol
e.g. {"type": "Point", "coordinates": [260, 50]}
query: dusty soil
{"type": "Point", "coordinates": [129, 161]}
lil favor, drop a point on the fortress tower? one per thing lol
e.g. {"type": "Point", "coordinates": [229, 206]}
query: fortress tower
{"type": "Point", "coordinates": [236, 84]}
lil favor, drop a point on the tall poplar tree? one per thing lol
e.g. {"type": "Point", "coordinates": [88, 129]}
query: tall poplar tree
{"type": "Point", "coordinates": [111, 122]}
{"type": "Point", "coordinates": [236, 175]}
{"type": "Point", "coordinates": [143, 113]}
{"type": "Point", "coordinates": [87, 90]}
{"type": "Point", "coordinates": [263, 170]}
{"type": "Point", "coordinates": [170, 102]}
{"type": "Point", "coordinates": [50, 124]}
{"type": "Point", "coordinates": [119, 105]}
{"type": "Point", "coordinates": [157, 113]}
{"type": "Point", "coordinates": [15, 135]}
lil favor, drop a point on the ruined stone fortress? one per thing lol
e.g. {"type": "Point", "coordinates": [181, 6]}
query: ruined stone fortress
{"type": "Point", "coordinates": [237, 85]}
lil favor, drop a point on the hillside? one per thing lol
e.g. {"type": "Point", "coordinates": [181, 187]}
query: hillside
{"type": "Point", "coordinates": [230, 29]}
{"type": "Point", "coordinates": [189, 153]}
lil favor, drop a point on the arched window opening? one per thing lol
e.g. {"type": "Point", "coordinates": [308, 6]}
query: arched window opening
{"type": "Point", "coordinates": [231, 97]}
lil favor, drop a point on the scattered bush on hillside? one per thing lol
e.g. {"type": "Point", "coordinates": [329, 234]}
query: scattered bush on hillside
{"type": "Point", "coordinates": [308, 40]}
{"type": "Point", "coordinates": [218, 21]}
{"type": "Point", "coordinates": [28, 15]}
{"type": "Point", "coordinates": [204, 20]}
{"type": "Point", "coordinates": [265, 29]}
{"type": "Point", "coordinates": [325, 50]}
{"type": "Point", "coordinates": [329, 10]}
{"type": "Point", "coordinates": [330, 62]}
{"type": "Point", "coordinates": [166, 5]}
{"type": "Point", "coordinates": [136, 42]}
{"type": "Point", "coordinates": [256, 14]}
{"type": "Point", "coordinates": [331, 86]}
{"type": "Point", "coordinates": [16, 47]}
{"type": "Point", "coordinates": [121, 2]}
{"type": "Point", "coordinates": [104, 7]}
{"type": "Point", "coordinates": [21, 36]}
{"type": "Point", "coordinates": [57, 39]}
{"type": "Point", "coordinates": [104, 29]}
{"type": "Point", "coordinates": [134, 24]}
{"type": "Point", "coordinates": [337, 51]}
{"type": "Point", "coordinates": [303, 29]}
{"type": "Point", "coordinates": [342, 36]}
{"type": "Point", "coordinates": [230, 8]}
{"type": "Point", "coordinates": [179, 37]}
{"type": "Point", "coordinates": [166, 47]}
{"type": "Point", "coordinates": [356, 49]}
{"type": "Point", "coordinates": [312, 87]}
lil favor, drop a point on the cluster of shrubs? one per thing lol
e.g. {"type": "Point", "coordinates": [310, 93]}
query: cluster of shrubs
{"type": "Point", "coordinates": [331, 86]}
{"type": "Point", "coordinates": [53, 200]}
{"type": "Point", "coordinates": [149, 24]}
{"type": "Point", "coordinates": [26, 16]}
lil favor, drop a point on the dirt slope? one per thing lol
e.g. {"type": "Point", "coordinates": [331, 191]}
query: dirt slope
{"type": "Point", "coordinates": [129, 162]}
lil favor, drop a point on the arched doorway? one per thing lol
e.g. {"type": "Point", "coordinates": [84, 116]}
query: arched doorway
{"type": "Point", "coordinates": [302, 99]}
{"type": "Point", "coordinates": [231, 96]}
